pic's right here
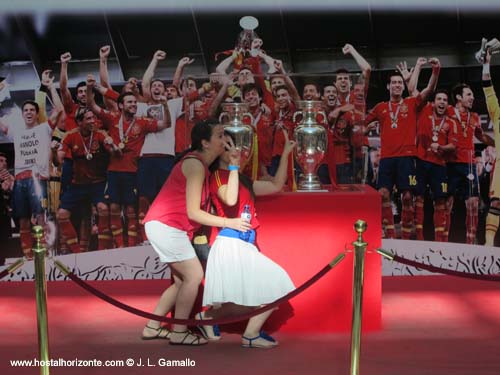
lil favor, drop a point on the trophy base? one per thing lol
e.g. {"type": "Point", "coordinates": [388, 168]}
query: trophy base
{"type": "Point", "coordinates": [312, 191]}
{"type": "Point", "coordinates": [309, 182]}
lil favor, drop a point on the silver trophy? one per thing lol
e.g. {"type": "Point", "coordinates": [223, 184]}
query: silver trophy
{"type": "Point", "coordinates": [493, 45]}
{"type": "Point", "coordinates": [311, 139]}
{"type": "Point", "coordinates": [233, 119]}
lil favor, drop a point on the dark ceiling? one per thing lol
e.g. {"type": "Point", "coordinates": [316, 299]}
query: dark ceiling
{"type": "Point", "coordinates": [286, 33]}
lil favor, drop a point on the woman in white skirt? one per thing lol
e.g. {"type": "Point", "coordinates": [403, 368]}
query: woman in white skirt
{"type": "Point", "coordinates": [238, 277]}
{"type": "Point", "coordinates": [175, 214]}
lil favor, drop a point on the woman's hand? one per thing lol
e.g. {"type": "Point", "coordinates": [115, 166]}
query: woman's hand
{"type": "Point", "coordinates": [239, 224]}
{"type": "Point", "coordinates": [234, 153]}
{"type": "Point", "coordinates": [289, 144]}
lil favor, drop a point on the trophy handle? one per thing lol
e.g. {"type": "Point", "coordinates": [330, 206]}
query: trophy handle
{"type": "Point", "coordinates": [246, 114]}
{"type": "Point", "coordinates": [222, 115]}
{"type": "Point", "coordinates": [325, 119]}
{"type": "Point", "coordinates": [295, 115]}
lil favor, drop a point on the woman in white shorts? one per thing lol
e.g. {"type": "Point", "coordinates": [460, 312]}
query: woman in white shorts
{"type": "Point", "coordinates": [176, 213]}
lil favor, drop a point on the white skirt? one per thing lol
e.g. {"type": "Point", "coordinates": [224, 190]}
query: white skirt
{"type": "Point", "coordinates": [237, 272]}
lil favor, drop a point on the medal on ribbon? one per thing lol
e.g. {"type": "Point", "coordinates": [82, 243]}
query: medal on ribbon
{"type": "Point", "coordinates": [88, 150]}
{"type": "Point", "coordinates": [394, 116]}
{"type": "Point", "coordinates": [124, 137]}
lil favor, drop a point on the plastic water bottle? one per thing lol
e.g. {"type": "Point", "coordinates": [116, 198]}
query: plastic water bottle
{"type": "Point", "coordinates": [247, 216]}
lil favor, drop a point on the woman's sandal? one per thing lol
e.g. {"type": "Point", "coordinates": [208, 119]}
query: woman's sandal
{"type": "Point", "coordinates": [195, 339]}
{"type": "Point", "coordinates": [262, 335]}
{"type": "Point", "coordinates": [161, 333]}
{"type": "Point", "coordinates": [209, 332]}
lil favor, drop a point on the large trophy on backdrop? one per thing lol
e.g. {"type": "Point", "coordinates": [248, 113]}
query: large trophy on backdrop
{"type": "Point", "coordinates": [311, 138]}
{"type": "Point", "coordinates": [232, 118]}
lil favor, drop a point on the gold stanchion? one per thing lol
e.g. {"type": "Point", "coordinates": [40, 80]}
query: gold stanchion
{"type": "Point", "coordinates": [357, 295]}
{"type": "Point", "coordinates": [39, 252]}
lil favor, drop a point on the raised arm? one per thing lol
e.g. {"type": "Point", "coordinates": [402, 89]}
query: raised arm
{"type": "Point", "coordinates": [179, 71]}
{"type": "Point", "coordinates": [407, 75]}
{"type": "Point", "coordinates": [48, 81]}
{"type": "Point", "coordinates": [47, 85]}
{"type": "Point", "coordinates": [150, 72]}
{"type": "Point", "coordinates": [56, 117]}
{"type": "Point", "coordinates": [278, 181]}
{"type": "Point", "coordinates": [103, 66]}
{"type": "Point", "coordinates": [212, 111]}
{"type": "Point", "coordinates": [294, 93]}
{"type": "Point", "coordinates": [414, 76]}
{"type": "Point", "coordinates": [229, 193]}
{"type": "Point", "coordinates": [365, 67]}
{"type": "Point", "coordinates": [431, 86]}
{"type": "Point", "coordinates": [226, 63]}
{"type": "Point", "coordinates": [194, 172]}
{"type": "Point", "coordinates": [41, 100]}
{"type": "Point", "coordinates": [91, 104]}
{"type": "Point", "coordinates": [489, 91]}
{"type": "Point", "coordinates": [63, 82]}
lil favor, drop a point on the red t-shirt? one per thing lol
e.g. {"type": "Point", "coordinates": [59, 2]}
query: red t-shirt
{"type": "Point", "coordinates": [425, 133]}
{"type": "Point", "coordinates": [265, 129]}
{"type": "Point", "coordinates": [182, 133]}
{"type": "Point", "coordinates": [77, 146]}
{"type": "Point", "coordinates": [127, 161]}
{"type": "Point", "coordinates": [70, 122]}
{"type": "Point", "coordinates": [221, 177]}
{"type": "Point", "coordinates": [397, 140]}
{"type": "Point", "coordinates": [339, 139]}
{"type": "Point", "coordinates": [465, 128]}
{"type": "Point", "coordinates": [169, 206]}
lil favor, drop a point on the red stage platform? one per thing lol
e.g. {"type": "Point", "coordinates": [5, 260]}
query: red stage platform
{"type": "Point", "coordinates": [303, 232]}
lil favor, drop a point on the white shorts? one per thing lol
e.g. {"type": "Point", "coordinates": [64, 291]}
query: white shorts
{"type": "Point", "coordinates": [171, 244]}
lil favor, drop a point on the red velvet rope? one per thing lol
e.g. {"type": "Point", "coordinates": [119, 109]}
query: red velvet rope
{"type": "Point", "coordinates": [159, 318]}
{"type": "Point", "coordinates": [446, 271]}
{"type": "Point", "coordinates": [4, 273]}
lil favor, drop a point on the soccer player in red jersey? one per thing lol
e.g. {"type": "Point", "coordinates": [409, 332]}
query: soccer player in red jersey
{"type": "Point", "coordinates": [462, 175]}
{"type": "Point", "coordinates": [343, 79]}
{"type": "Point", "coordinates": [87, 147]}
{"type": "Point", "coordinates": [355, 94]}
{"type": "Point", "coordinates": [434, 144]}
{"type": "Point", "coordinates": [263, 128]}
{"type": "Point", "coordinates": [283, 120]}
{"type": "Point", "coordinates": [128, 133]}
{"type": "Point", "coordinates": [398, 130]}
{"type": "Point", "coordinates": [70, 105]}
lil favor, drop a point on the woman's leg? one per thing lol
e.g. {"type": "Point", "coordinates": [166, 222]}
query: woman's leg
{"type": "Point", "coordinates": [165, 305]}
{"type": "Point", "coordinates": [191, 274]}
{"type": "Point", "coordinates": [252, 336]}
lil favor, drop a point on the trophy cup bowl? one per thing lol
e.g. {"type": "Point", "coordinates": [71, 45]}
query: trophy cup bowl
{"type": "Point", "coordinates": [232, 118]}
{"type": "Point", "coordinates": [311, 139]}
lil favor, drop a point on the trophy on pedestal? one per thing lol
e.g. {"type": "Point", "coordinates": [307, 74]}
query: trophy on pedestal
{"type": "Point", "coordinates": [311, 138]}
{"type": "Point", "coordinates": [232, 118]}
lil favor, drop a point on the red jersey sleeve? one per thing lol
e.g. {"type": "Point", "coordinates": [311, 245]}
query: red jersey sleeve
{"type": "Point", "coordinates": [150, 125]}
{"type": "Point", "coordinates": [111, 94]}
{"type": "Point", "coordinates": [373, 115]}
{"type": "Point", "coordinates": [108, 119]}
{"type": "Point", "coordinates": [66, 146]}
